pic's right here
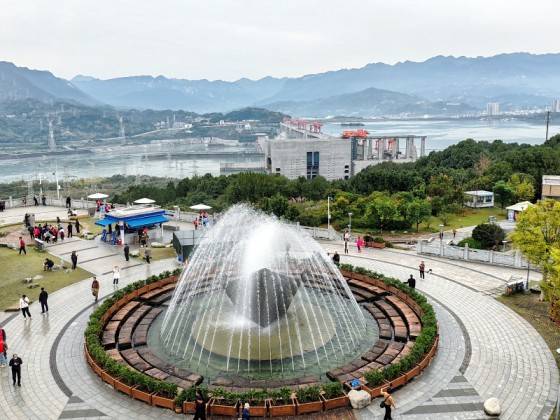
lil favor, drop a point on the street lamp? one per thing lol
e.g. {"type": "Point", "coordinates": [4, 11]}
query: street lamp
{"type": "Point", "coordinates": [504, 248]}
{"type": "Point", "coordinates": [441, 232]}
{"type": "Point", "coordinates": [350, 224]}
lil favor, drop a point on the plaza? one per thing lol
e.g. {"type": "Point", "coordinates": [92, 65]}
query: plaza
{"type": "Point", "coordinates": [485, 349]}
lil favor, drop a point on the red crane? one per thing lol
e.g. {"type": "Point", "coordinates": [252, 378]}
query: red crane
{"type": "Point", "coordinates": [360, 134]}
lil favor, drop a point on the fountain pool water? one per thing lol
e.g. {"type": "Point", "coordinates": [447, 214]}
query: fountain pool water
{"type": "Point", "coordinates": [260, 298]}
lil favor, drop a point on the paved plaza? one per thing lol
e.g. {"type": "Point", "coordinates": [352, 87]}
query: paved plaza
{"type": "Point", "coordinates": [486, 350]}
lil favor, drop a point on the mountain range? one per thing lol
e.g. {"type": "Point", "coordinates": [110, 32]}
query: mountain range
{"type": "Point", "coordinates": [438, 86]}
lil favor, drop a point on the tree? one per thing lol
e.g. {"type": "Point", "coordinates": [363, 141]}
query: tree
{"type": "Point", "coordinates": [489, 235]}
{"type": "Point", "coordinates": [382, 210]}
{"type": "Point", "coordinates": [537, 236]}
{"type": "Point", "coordinates": [417, 211]}
{"type": "Point", "coordinates": [503, 193]}
{"type": "Point", "coordinates": [522, 186]}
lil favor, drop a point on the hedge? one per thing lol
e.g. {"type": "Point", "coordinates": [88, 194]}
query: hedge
{"type": "Point", "coordinates": [423, 342]}
{"type": "Point", "coordinates": [129, 376]}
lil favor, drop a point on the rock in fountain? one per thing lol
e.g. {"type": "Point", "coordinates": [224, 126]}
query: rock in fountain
{"type": "Point", "coordinates": [261, 297]}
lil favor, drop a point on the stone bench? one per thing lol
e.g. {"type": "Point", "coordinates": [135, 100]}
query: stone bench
{"type": "Point", "coordinates": [124, 339]}
{"type": "Point", "coordinates": [411, 318]}
{"type": "Point", "coordinates": [385, 329]}
{"type": "Point", "coordinates": [390, 353]}
{"type": "Point", "coordinates": [125, 311]}
{"type": "Point", "coordinates": [367, 286]}
{"type": "Point", "coordinates": [398, 323]}
{"type": "Point", "coordinates": [156, 292]}
{"type": "Point", "coordinates": [132, 357]}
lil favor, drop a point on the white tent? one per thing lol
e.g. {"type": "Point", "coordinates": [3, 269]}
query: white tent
{"type": "Point", "coordinates": [144, 201]}
{"type": "Point", "coordinates": [97, 196]}
{"type": "Point", "coordinates": [200, 207]}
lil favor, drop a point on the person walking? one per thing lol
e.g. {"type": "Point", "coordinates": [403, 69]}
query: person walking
{"type": "Point", "coordinates": [246, 413]}
{"type": "Point", "coordinates": [411, 282]}
{"type": "Point", "coordinates": [22, 246]}
{"type": "Point", "coordinates": [61, 233]}
{"type": "Point", "coordinates": [422, 269]}
{"type": "Point", "coordinates": [336, 258]}
{"type": "Point", "coordinates": [3, 348]}
{"type": "Point", "coordinates": [116, 275]}
{"type": "Point", "coordinates": [43, 297]}
{"type": "Point", "coordinates": [77, 226]}
{"type": "Point", "coordinates": [24, 306]}
{"type": "Point", "coordinates": [69, 229]}
{"type": "Point", "coordinates": [35, 200]}
{"type": "Point", "coordinates": [346, 239]}
{"type": "Point", "coordinates": [68, 202]}
{"type": "Point", "coordinates": [359, 243]}
{"type": "Point", "coordinates": [95, 288]}
{"type": "Point", "coordinates": [126, 252]}
{"type": "Point", "coordinates": [74, 259]}
{"type": "Point", "coordinates": [147, 254]}
{"type": "Point", "coordinates": [15, 364]}
{"type": "Point", "coordinates": [31, 231]}
{"type": "Point", "coordinates": [454, 233]}
{"type": "Point", "coordinates": [200, 406]}
{"type": "Point", "coordinates": [388, 403]}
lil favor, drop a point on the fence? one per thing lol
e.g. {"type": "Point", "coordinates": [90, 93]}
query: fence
{"type": "Point", "coordinates": [441, 249]}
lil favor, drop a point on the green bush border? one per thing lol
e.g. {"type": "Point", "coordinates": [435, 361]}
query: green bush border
{"type": "Point", "coordinates": [94, 331]}
{"type": "Point", "coordinates": [423, 343]}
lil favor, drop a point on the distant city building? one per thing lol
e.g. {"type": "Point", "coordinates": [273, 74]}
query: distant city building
{"type": "Point", "coordinates": [556, 105]}
{"type": "Point", "coordinates": [551, 187]}
{"type": "Point", "coordinates": [479, 198]}
{"type": "Point", "coordinates": [492, 108]}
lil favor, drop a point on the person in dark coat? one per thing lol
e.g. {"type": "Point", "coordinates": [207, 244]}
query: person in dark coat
{"type": "Point", "coordinates": [43, 297]}
{"type": "Point", "coordinates": [69, 229]}
{"type": "Point", "coordinates": [68, 202]}
{"type": "Point", "coordinates": [200, 407]}
{"type": "Point", "coordinates": [336, 258]}
{"type": "Point", "coordinates": [15, 364]}
{"type": "Point", "coordinates": [44, 200]}
{"type": "Point", "coordinates": [74, 258]}
{"type": "Point", "coordinates": [411, 282]}
{"type": "Point", "coordinates": [126, 252]}
{"type": "Point", "coordinates": [77, 226]}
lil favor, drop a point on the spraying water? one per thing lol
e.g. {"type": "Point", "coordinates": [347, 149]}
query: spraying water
{"type": "Point", "coordinates": [261, 298]}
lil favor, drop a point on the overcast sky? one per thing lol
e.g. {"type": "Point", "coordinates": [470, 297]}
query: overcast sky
{"type": "Point", "coordinates": [229, 39]}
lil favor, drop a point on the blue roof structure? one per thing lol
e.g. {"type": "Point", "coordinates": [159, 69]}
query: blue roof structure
{"type": "Point", "coordinates": [135, 217]}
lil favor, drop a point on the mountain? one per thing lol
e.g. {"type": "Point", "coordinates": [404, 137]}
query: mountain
{"type": "Point", "coordinates": [369, 102]}
{"type": "Point", "coordinates": [163, 93]}
{"type": "Point", "coordinates": [18, 83]}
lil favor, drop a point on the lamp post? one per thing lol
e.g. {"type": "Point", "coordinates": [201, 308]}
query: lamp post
{"type": "Point", "coordinates": [504, 247]}
{"type": "Point", "coordinates": [329, 213]}
{"type": "Point", "coordinates": [441, 232]}
{"type": "Point", "coordinates": [350, 224]}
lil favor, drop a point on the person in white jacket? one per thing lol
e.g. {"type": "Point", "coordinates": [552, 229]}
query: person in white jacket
{"type": "Point", "coordinates": [24, 306]}
{"type": "Point", "coordinates": [116, 275]}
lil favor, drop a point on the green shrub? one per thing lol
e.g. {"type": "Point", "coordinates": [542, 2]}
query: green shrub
{"type": "Point", "coordinates": [489, 235]}
{"type": "Point", "coordinates": [308, 394]}
{"type": "Point", "coordinates": [282, 395]}
{"type": "Point", "coordinates": [379, 240]}
{"type": "Point", "coordinates": [333, 390]}
{"type": "Point", "coordinates": [374, 377]}
{"type": "Point", "coordinates": [471, 242]}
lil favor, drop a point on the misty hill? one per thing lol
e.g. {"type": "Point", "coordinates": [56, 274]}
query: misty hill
{"type": "Point", "coordinates": [22, 83]}
{"type": "Point", "coordinates": [369, 102]}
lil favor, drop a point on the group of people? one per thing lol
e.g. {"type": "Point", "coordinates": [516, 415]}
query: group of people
{"type": "Point", "coordinates": [15, 362]}
{"type": "Point", "coordinates": [51, 232]}
{"type": "Point", "coordinates": [201, 220]}
{"type": "Point", "coordinates": [43, 300]}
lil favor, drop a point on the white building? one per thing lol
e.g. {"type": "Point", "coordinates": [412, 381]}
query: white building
{"type": "Point", "coordinates": [556, 105]}
{"type": "Point", "coordinates": [492, 108]}
{"type": "Point", "coordinates": [551, 187]}
{"type": "Point", "coordinates": [479, 198]}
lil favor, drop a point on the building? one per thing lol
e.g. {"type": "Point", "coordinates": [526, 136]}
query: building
{"type": "Point", "coordinates": [556, 105]}
{"type": "Point", "coordinates": [492, 108]}
{"type": "Point", "coordinates": [551, 187]}
{"type": "Point", "coordinates": [516, 209]}
{"type": "Point", "coordinates": [478, 199]}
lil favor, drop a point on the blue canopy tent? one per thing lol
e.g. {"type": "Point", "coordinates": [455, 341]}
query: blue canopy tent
{"type": "Point", "coordinates": [134, 218]}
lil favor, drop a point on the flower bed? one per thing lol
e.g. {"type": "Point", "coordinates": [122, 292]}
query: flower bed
{"type": "Point", "coordinates": [423, 351]}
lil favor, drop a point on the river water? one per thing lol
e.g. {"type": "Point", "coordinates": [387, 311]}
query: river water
{"type": "Point", "coordinates": [173, 160]}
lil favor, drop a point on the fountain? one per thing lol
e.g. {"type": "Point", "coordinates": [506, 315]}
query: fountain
{"type": "Point", "coordinates": [260, 299]}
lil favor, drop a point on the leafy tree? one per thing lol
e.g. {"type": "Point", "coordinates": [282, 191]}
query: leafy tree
{"type": "Point", "coordinates": [503, 193]}
{"type": "Point", "coordinates": [522, 186]}
{"type": "Point", "coordinates": [381, 211]}
{"type": "Point", "coordinates": [417, 211]}
{"type": "Point", "coordinates": [489, 235]}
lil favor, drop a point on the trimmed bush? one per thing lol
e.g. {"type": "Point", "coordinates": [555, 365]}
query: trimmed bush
{"type": "Point", "coordinates": [489, 235]}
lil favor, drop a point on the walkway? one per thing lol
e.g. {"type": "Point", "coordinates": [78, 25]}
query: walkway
{"type": "Point", "coordinates": [486, 350]}
{"type": "Point", "coordinates": [42, 214]}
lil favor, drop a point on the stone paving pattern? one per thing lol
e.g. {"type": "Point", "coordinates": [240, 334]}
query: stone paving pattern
{"type": "Point", "coordinates": [485, 349]}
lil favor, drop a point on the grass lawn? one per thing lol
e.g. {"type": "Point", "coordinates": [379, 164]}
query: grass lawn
{"type": "Point", "coordinates": [470, 217]}
{"type": "Point", "coordinates": [160, 253]}
{"type": "Point", "coordinates": [536, 313]}
{"type": "Point", "coordinates": [15, 268]}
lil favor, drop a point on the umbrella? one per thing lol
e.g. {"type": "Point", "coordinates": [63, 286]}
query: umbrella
{"type": "Point", "coordinates": [200, 207]}
{"type": "Point", "coordinates": [144, 201]}
{"type": "Point", "coordinates": [97, 196]}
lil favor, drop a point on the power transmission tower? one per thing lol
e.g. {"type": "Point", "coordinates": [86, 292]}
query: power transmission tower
{"type": "Point", "coordinates": [547, 122]}
{"type": "Point", "coordinates": [52, 144]}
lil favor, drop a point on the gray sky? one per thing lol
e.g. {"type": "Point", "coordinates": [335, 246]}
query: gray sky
{"type": "Point", "coordinates": [229, 39]}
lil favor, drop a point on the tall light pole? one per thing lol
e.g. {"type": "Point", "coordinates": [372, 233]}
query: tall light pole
{"type": "Point", "coordinates": [329, 212]}
{"type": "Point", "coordinates": [350, 224]}
{"type": "Point", "coordinates": [441, 232]}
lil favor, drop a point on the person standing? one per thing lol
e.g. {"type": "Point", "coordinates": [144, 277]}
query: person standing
{"type": "Point", "coordinates": [15, 364]}
{"type": "Point", "coordinates": [77, 226]}
{"type": "Point", "coordinates": [388, 403]}
{"type": "Point", "coordinates": [22, 246]}
{"type": "Point", "coordinates": [95, 288]}
{"type": "Point", "coordinates": [246, 414]}
{"type": "Point", "coordinates": [74, 258]}
{"type": "Point", "coordinates": [31, 231]}
{"type": "Point", "coordinates": [69, 228]}
{"type": "Point", "coordinates": [61, 233]}
{"type": "Point", "coordinates": [126, 252]}
{"type": "Point", "coordinates": [346, 239]}
{"type": "Point", "coordinates": [35, 200]}
{"type": "Point", "coordinates": [359, 243]}
{"type": "Point", "coordinates": [454, 233]}
{"type": "Point", "coordinates": [147, 254]}
{"type": "Point", "coordinates": [24, 306]}
{"type": "Point", "coordinates": [422, 269]}
{"type": "Point", "coordinates": [43, 297]}
{"type": "Point", "coordinates": [116, 275]}
{"type": "Point", "coordinates": [411, 282]}
{"type": "Point", "coordinates": [44, 200]}
{"type": "Point", "coordinates": [3, 348]}
{"type": "Point", "coordinates": [336, 258]}
{"type": "Point", "coordinates": [68, 202]}
{"type": "Point", "coordinates": [199, 406]}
